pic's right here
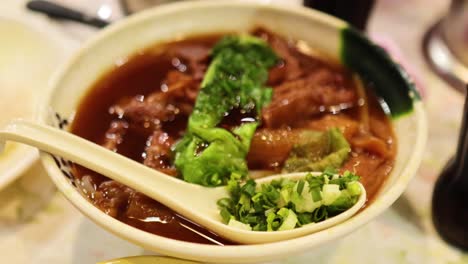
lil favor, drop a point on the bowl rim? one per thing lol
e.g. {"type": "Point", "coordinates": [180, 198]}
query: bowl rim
{"type": "Point", "coordinates": [244, 253]}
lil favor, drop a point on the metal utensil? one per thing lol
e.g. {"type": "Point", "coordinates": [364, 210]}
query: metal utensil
{"type": "Point", "coordinates": [62, 12]}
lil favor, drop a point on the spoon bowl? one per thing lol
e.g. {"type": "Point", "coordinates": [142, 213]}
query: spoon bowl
{"type": "Point", "coordinates": [197, 203]}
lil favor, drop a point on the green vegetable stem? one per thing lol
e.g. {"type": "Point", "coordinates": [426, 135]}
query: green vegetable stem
{"type": "Point", "coordinates": [210, 155]}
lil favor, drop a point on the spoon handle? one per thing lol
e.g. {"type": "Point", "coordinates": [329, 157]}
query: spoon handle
{"type": "Point", "coordinates": [152, 183]}
{"type": "Point", "coordinates": [195, 202]}
{"type": "Point", "coordinates": [58, 11]}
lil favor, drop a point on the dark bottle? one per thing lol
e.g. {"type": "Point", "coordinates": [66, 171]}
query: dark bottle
{"type": "Point", "coordinates": [450, 198]}
{"type": "Point", "coordinates": [355, 12]}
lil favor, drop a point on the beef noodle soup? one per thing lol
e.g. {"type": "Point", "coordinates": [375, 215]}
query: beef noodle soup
{"type": "Point", "coordinates": [140, 109]}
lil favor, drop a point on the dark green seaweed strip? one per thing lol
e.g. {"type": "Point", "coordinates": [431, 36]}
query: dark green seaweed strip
{"type": "Point", "coordinates": [389, 80]}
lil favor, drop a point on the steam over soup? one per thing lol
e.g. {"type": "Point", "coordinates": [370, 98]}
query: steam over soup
{"type": "Point", "coordinates": [308, 114]}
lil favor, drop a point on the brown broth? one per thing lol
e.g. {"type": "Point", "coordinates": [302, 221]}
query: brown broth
{"type": "Point", "coordinates": [143, 74]}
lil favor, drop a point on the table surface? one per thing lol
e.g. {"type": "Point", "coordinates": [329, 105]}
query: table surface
{"type": "Point", "coordinates": [53, 231]}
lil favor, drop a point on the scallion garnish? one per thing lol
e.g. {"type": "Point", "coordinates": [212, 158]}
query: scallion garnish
{"type": "Point", "coordinates": [286, 204]}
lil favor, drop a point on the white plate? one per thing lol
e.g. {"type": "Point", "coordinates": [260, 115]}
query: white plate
{"type": "Point", "coordinates": [28, 56]}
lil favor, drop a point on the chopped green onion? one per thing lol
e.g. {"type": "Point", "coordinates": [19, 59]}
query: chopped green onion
{"type": "Point", "coordinates": [300, 186]}
{"type": "Point", "coordinates": [315, 192]}
{"type": "Point", "coordinates": [285, 204]}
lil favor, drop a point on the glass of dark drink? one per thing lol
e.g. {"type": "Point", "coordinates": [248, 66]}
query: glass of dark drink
{"type": "Point", "coordinates": [449, 201]}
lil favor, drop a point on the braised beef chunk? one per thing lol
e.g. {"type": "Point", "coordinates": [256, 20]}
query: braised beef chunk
{"type": "Point", "coordinates": [371, 144]}
{"type": "Point", "coordinates": [303, 85]}
{"type": "Point", "coordinates": [114, 135]}
{"type": "Point", "coordinates": [112, 197]}
{"type": "Point", "coordinates": [176, 98]}
{"type": "Point", "coordinates": [142, 208]}
{"type": "Point", "coordinates": [158, 152]}
{"type": "Point", "coordinates": [270, 148]}
{"type": "Point", "coordinates": [294, 63]}
{"type": "Point", "coordinates": [291, 68]}
{"type": "Point", "coordinates": [348, 126]}
{"type": "Point", "coordinates": [141, 108]}
{"type": "Point", "coordinates": [146, 116]}
{"type": "Point", "coordinates": [193, 53]}
{"type": "Point", "coordinates": [302, 98]}
{"type": "Point", "coordinates": [191, 56]}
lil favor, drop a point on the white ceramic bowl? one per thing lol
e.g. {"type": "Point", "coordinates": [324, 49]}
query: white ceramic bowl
{"type": "Point", "coordinates": [333, 37]}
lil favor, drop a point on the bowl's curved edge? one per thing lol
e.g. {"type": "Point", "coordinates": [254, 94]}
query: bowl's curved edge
{"type": "Point", "coordinates": [242, 253]}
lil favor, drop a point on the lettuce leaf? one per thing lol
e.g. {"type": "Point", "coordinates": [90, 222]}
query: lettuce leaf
{"type": "Point", "coordinates": [318, 151]}
{"type": "Point", "coordinates": [209, 155]}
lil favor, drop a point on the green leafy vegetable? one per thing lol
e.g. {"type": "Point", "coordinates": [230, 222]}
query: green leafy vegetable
{"type": "Point", "coordinates": [209, 155]}
{"type": "Point", "coordinates": [317, 151]}
{"type": "Point", "coordinates": [286, 204]}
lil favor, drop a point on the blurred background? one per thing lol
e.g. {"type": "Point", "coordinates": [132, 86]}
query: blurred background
{"type": "Point", "coordinates": [427, 37]}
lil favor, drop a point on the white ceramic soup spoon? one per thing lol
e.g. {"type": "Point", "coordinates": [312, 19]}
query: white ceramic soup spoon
{"type": "Point", "coordinates": [197, 203]}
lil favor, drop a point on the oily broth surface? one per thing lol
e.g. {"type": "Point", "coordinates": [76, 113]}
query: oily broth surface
{"type": "Point", "coordinates": [143, 74]}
